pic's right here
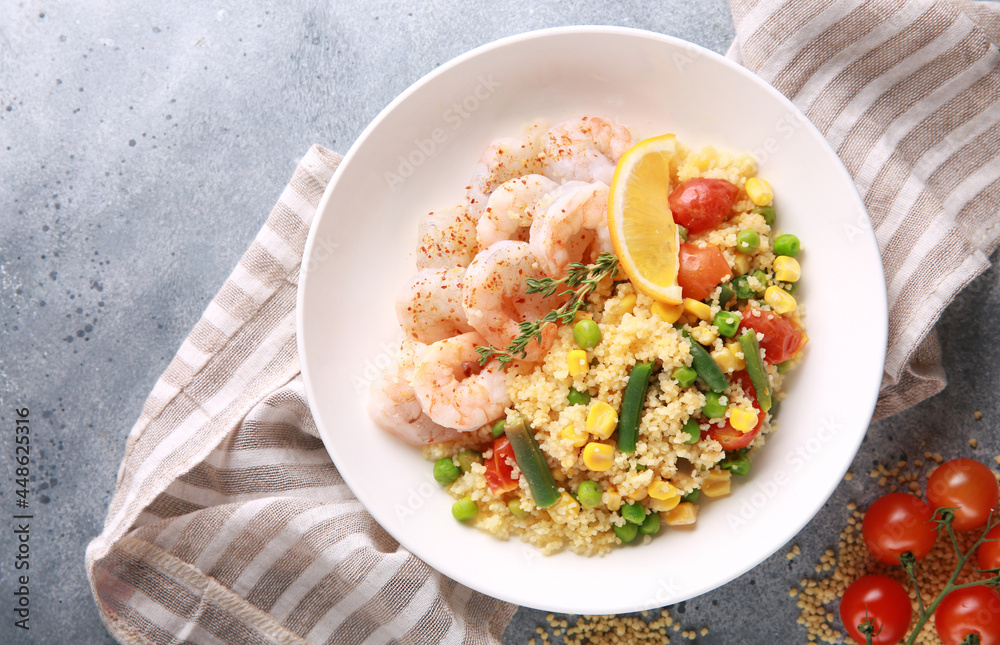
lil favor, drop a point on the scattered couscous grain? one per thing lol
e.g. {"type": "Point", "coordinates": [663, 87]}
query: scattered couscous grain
{"type": "Point", "coordinates": [973, 442]}
{"type": "Point", "coordinates": [848, 476]}
{"type": "Point", "coordinates": [646, 627]}
{"type": "Point", "coordinates": [978, 415]}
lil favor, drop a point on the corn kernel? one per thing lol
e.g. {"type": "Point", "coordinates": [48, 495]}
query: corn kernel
{"type": "Point", "coordinates": [623, 306]}
{"type": "Point", "coordinates": [780, 300]}
{"type": "Point", "coordinates": [668, 313]}
{"type": "Point", "coordinates": [716, 483]}
{"type": "Point", "coordinates": [576, 361]}
{"type": "Point", "coordinates": [601, 420]}
{"type": "Point", "coordinates": [582, 315]}
{"type": "Point", "coordinates": [612, 500]}
{"type": "Point", "coordinates": [743, 419]}
{"type": "Point", "coordinates": [663, 490]}
{"type": "Point", "coordinates": [787, 269]}
{"type": "Point", "coordinates": [663, 505]}
{"type": "Point", "coordinates": [697, 309]}
{"type": "Point", "coordinates": [725, 359]}
{"type": "Point", "coordinates": [637, 494]}
{"type": "Point", "coordinates": [564, 510]}
{"type": "Point", "coordinates": [704, 334]}
{"type": "Point", "coordinates": [598, 456]}
{"type": "Point", "coordinates": [737, 350]}
{"type": "Point", "coordinates": [576, 437]}
{"type": "Point", "coordinates": [683, 514]}
{"type": "Point", "coordinates": [759, 191]}
{"type": "Point", "coordinates": [742, 264]}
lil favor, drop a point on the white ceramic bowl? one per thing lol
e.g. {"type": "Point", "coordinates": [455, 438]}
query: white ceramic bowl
{"type": "Point", "coordinates": [418, 155]}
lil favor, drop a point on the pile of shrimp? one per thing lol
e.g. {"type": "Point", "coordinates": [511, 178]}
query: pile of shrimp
{"type": "Point", "coordinates": [536, 203]}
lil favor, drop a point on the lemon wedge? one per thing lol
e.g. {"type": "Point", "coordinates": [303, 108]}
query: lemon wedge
{"type": "Point", "coordinates": [642, 228]}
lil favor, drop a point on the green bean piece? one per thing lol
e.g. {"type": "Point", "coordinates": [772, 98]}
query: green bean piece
{"type": "Point", "coordinates": [762, 278]}
{"type": "Point", "coordinates": [726, 294]}
{"type": "Point", "coordinates": [587, 334]}
{"type": "Point", "coordinates": [742, 287]}
{"type": "Point", "coordinates": [713, 408]}
{"type": "Point", "coordinates": [692, 497]}
{"type": "Point", "coordinates": [747, 241]}
{"type": "Point", "coordinates": [682, 232]}
{"type": "Point", "coordinates": [650, 525]}
{"type": "Point", "coordinates": [784, 366]}
{"type": "Point", "coordinates": [693, 430]}
{"type": "Point", "coordinates": [632, 401]}
{"type": "Point", "coordinates": [685, 376]}
{"type": "Point", "coordinates": [706, 367]}
{"type": "Point", "coordinates": [497, 428]}
{"type": "Point", "coordinates": [514, 506]}
{"type": "Point", "coordinates": [532, 462]}
{"type": "Point", "coordinates": [576, 397]}
{"type": "Point", "coordinates": [464, 509]}
{"type": "Point", "coordinates": [626, 532]}
{"type": "Point", "coordinates": [589, 494]}
{"type": "Point", "coordinates": [633, 512]}
{"type": "Point", "coordinates": [640, 468]}
{"type": "Point", "coordinates": [445, 471]}
{"type": "Point", "coordinates": [787, 244]}
{"type": "Point", "coordinates": [755, 368]}
{"type": "Point", "coordinates": [737, 462]}
{"type": "Point", "coordinates": [468, 457]}
{"type": "Point", "coordinates": [727, 322]}
{"type": "Point", "coordinates": [767, 212]}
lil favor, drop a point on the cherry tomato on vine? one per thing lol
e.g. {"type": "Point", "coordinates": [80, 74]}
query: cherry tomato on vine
{"type": "Point", "coordinates": [988, 553]}
{"type": "Point", "coordinates": [967, 611]}
{"type": "Point", "coordinates": [967, 486]}
{"type": "Point", "coordinates": [881, 599]}
{"type": "Point", "coordinates": [896, 523]}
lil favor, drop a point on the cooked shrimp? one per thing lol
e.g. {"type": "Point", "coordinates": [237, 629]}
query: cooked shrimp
{"type": "Point", "coordinates": [393, 404]}
{"type": "Point", "coordinates": [429, 306]}
{"type": "Point", "coordinates": [453, 390]}
{"type": "Point", "coordinates": [569, 221]}
{"type": "Point", "coordinates": [584, 149]}
{"type": "Point", "coordinates": [504, 159]}
{"type": "Point", "coordinates": [495, 301]}
{"type": "Point", "coordinates": [508, 212]}
{"type": "Point", "coordinates": [447, 239]}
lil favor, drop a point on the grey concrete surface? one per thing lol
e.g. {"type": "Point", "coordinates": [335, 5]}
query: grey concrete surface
{"type": "Point", "coordinates": [141, 148]}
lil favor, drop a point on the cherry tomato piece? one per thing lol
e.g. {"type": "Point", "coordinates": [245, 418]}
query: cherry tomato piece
{"type": "Point", "coordinates": [896, 523]}
{"type": "Point", "coordinates": [729, 437]}
{"type": "Point", "coordinates": [967, 486]}
{"type": "Point", "coordinates": [498, 468]}
{"type": "Point", "coordinates": [701, 203]}
{"type": "Point", "coordinates": [988, 553]}
{"type": "Point", "coordinates": [972, 610]}
{"type": "Point", "coordinates": [700, 270]}
{"type": "Point", "coordinates": [881, 600]}
{"type": "Point", "coordinates": [783, 338]}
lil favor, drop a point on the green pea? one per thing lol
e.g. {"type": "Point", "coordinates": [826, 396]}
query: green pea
{"type": "Point", "coordinates": [464, 509]}
{"type": "Point", "coordinates": [634, 512]}
{"type": "Point", "coordinates": [762, 278]}
{"type": "Point", "coordinates": [627, 532]}
{"type": "Point", "coordinates": [576, 397]}
{"type": "Point", "coordinates": [790, 287]}
{"type": "Point", "coordinates": [692, 497]}
{"type": "Point", "coordinates": [685, 376]}
{"type": "Point", "coordinates": [693, 430]}
{"type": "Point", "coordinates": [445, 471]}
{"type": "Point", "coordinates": [589, 494]}
{"type": "Point", "coordinates": [767, 212]}
{"type": "Point", "coordinates": [650, 525]}
{"type": "Point", "coordinates": [742, 287]}
{"type": "Point", "coordinates": [682, 232]}
{"type": "Point", "coordinates": [725, 295]}
{"type": "Point", "coordinates": [713, 408]}
{"type": "Point", "coordinates": [786, 244]}
{"type": "Point", "coordinates": [784, 366]}
{"type": "Point", "coordinates": [514, 506]}
{"type": "Point", "coordinates": [586, 333]}
{"type": "Point", "coordinates": [737, 462]}
{"type": "Point", "coordinates": [468, 457]}
{"type": "Point", "coordinates": [747, 241]}
{"type": "Point", "coordinates": [498, 427]}
{"type": "Point", "coordinates": [727, 322]}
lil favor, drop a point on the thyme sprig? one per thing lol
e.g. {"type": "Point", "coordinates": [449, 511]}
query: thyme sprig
{"type": "Point", "coordinates": [578, 283]}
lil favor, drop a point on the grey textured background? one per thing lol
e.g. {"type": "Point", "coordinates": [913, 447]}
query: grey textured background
{"type": "Point", "coordinates": [141, 148]}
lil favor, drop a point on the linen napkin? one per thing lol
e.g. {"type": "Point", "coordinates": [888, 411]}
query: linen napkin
{"type": "Point", "coordinates": [230, 524]}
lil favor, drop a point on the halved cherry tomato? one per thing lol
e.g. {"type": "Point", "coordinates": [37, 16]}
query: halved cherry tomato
{"type": "Point", "coordinates": [700, 270]}
{"type": "Point", "coordinates": [896, 523]}
{"type": "Point", "coordinates": [972, 610]}
{"type": "Point", "coordinates": [729, 437]}
{"type": "Point", "coordinates": [967, 486]}
{"type": "Point", "coordinates": [701, 203]}
{"type": "Point", "coordinates": [498, 468]}
{"type": "Point", "coordinates": [782, 337]}
{"type": "Point", "coordinates": [881, 600]}
{"type": "Point", "coordinates": [988, 553]}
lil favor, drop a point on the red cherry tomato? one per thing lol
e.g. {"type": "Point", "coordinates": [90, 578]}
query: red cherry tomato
{"type": "Point", "coordinates": [700, 270]}
{"type": "Point", "coordinates": [498, 468]}
{"type": "Point", "coordinates": [967, 486]}
{"type": "Point", "coordinates": [701, 204]}
{"type": "Point", "coordinates": [883, 601]}
{"type": "Point", "coordinates": [896, 523]}
{"type": "Point", "coordinates": [988, 553]}
{"type": "Point", "coordinates": [972, 610]}
{"type": "Point", "coordinates": [782, 337]}
{"type": "Point", "coordinates": [727, 435]}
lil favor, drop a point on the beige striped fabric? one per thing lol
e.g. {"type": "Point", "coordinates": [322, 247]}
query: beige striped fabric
{"type": "Point", "coordinates": [908, 94]}
{"type": "Point", "coordinates": [229, 523]}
